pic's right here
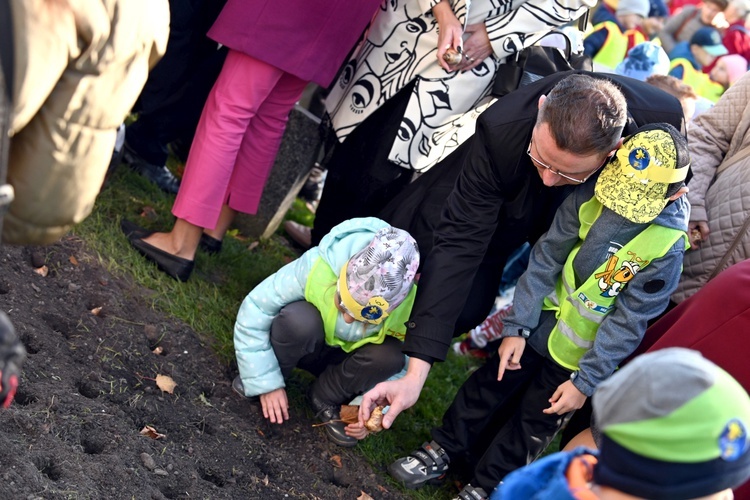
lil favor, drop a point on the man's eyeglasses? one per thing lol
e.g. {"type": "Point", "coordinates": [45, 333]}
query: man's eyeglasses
{"type": "Point", "coordinates": [557, 172]}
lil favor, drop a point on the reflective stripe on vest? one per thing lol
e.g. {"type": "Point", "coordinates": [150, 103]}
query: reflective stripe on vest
{"type": "Point", "coordinates": [320, 291]}
{"type": "Point", "coordinates": [580, 311]}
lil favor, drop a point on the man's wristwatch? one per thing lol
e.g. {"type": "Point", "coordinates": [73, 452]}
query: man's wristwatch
{"type": "Point", "coordinates": [524, 333]}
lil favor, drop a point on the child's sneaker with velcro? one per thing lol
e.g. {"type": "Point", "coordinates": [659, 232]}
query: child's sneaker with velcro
{"type": "Point", "coordinates": [427, 465]}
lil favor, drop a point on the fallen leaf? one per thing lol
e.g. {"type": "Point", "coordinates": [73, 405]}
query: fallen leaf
{"type": "Point", "coordinates": [149, 431]}
{"type": "Point", "coordinates": [260, 432]}
{"type": "Point", "coordinates": [205, 400]}
{"type": "Point", "coordinates": [253, 245]}
{"type": "Point", "coordinates": [336, 461]}
{"type": "Point", "coordinates": [382, 488]}
{"type": "Point", "coordinates": [42, 271]}
{"type": "Point", "coordinates": [364, 496]}
{"type": "Point", "coordinates": [349, 414]}
{"type": "Point", "coordinates": [265, 480]}
{"type": "Point", "coordinates": [375, 422]}
{"type": "Point", "coordinates": [148, 213]}
{"type": "Point", "coordinates": [165, 383]}
{"type": "Point", "coordinates": [95, 311]}
{"type": "Point", "coordinates": [73, 260]}
{"type": "Point", "coordinates": [159, 349]}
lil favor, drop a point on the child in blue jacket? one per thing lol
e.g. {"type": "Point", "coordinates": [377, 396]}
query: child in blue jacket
{"type": "Point", "coordinates": [339, 312]}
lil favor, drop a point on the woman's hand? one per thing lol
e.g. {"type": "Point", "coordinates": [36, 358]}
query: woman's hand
{"type": "Point", "coordinates": [698, 233]}
{"type": "Point", "coordinates": [477, 47]}
{"type": "Point", "coordinates": [449, 33]}
{"type": "Point", "coordinates": [275, 406]}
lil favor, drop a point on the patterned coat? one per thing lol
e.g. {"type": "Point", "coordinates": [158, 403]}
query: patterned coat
{"type": "Point", "coordinates": [400, 47]}
{"type": "Point", "coordinates": [717, 136]}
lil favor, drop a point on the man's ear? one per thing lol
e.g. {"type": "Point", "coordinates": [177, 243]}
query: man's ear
{"type": "Point", "coordinates": [542, 98]}
{"type": "Point", "coordinates": [617, 146]}
{"type": "Point", "coordinates": [682, 190]}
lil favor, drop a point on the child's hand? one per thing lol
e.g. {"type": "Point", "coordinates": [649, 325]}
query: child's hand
{"type": "Point", "coordinates": [510, 351]}
{"type": "Point", "coordinates": [356, 430]}
{"type": "Point", "coordinates": [566, 398]}
{"type": "Point", "coordinates": [275, 406]}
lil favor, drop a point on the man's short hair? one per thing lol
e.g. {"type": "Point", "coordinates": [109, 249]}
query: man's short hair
{"type": "Point", "coordinates": [585, 115]}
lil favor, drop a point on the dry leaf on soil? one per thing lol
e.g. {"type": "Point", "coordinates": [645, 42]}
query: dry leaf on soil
{"type": "Point", "coordinates": [349, 414]}
{"type": "Point", "coordinates": [42, 271]}
{"type": "Point", "coordinates": [336, 461]}
{"type": "Point", "coordinates": [149, 431]}
{"type": "Point", "coordinates": [95, 311]}
{"type": "Point", "coordinates": [165, 383]}
{"type": "Point", "coordinates": [158, 350]}
{"type": "Point", "coordinates": [364, 496]}
{"type": "Point", "coordinates": [73, 260]}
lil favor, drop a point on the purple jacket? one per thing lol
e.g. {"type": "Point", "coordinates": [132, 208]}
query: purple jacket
{"type": "Point", "coordinates": [307, 38]}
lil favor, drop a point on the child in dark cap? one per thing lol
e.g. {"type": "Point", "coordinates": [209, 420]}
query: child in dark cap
{"type": "Point", "coordinates": [672, 425]}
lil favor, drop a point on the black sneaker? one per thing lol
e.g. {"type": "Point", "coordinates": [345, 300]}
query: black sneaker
{"type": "Point", "coordinates": [159, 175]}
{"type": "Point", "coordinates": [331, 416]}
{"type": "Point", "coordinates": [427, 465]}
{"type": "Point", "coordinates": [470, 492]}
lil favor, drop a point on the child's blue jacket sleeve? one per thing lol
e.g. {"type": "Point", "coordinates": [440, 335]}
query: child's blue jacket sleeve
{"type": "Point", "coordinates": [259, 368]}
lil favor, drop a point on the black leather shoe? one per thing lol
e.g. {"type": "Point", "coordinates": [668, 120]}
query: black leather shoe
{"type": "Point", "coordinates": [177, 267]}
{"type": "Point", "coordinates": [329, 414]}
{"type": "Point", "coordinates": [210, 245]}
{"type": "Point", "coordinates": [158, 174]}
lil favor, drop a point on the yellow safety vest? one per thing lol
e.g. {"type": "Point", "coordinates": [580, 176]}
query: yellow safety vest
{"type": "Point", "coordinates": [701, 82]}
{"type": "Point", "coordinates": [616, 45]}
{"type": "Point", "coordinates": [580, 311]}
{"type": "Point", "coordinates": [320, 291]}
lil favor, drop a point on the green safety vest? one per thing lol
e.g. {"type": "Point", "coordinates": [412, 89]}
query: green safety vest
{"type": "Point", "coordinates": [701, 82]}
{"type": "Point", "coordinates": [320, 291]}
{"type": "Point", "coordinates": [580, 311]}
{"type": "Point", "coordinates": [616, 45]}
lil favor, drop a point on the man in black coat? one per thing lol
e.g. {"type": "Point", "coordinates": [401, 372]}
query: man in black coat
{"type": "Point", "coordinates": [510, 177]}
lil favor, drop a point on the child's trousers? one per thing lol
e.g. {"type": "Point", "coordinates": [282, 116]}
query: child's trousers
{"type": "Point", "coordinates": [298, 340]}
{"type": "Point", "coordinates": [495, 427]}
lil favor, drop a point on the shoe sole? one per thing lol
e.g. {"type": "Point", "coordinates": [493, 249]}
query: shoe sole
{"type": "Point", "coordinates": [435, 481]}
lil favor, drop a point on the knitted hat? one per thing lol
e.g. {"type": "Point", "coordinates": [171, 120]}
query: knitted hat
{"type": "Point", "coordinates": [640, 7]}
{"type": "Point", "coordinates": [378, 278]}
{"type": "Point", "coordinates": [710, 39]}
{"type": "Point", "coordinates": [658, 9]}
{"type": "Point", "coordinates": [674, 425]}
{"type": "Point", "coordinates": [644, 60]}
{"type": "Point", "coordinates": [635, 183]}
{"type": "Point", "coordinates": [736, 66]}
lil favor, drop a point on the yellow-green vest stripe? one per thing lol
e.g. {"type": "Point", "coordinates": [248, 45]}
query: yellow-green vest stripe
{"type": "Point", "coordinates": [320, 291]}
{"type": "Point", "coordinates": [582, 310]}
{"type": "Point", "coordinates": [701, 82]}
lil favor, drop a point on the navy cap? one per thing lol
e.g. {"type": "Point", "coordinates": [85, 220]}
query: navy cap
{"type": "Point", "coordinates": [710, 39]}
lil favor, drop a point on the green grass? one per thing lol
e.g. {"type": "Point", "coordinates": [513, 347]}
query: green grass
{"type": "Point", "coordinates": [208, 302]}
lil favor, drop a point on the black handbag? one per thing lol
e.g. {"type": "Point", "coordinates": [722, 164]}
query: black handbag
{"type": "Point", "coordinates": [535, 62]}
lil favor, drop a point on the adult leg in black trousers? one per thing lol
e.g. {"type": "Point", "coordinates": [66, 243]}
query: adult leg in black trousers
{"type": "Point", "coordinates": [361, 180]}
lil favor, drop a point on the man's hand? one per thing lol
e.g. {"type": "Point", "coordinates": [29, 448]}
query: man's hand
{"type": "Point", "coordinates": [12, 354]}
{"type": "Point", "coordinates": [697, 233]}
{"type": "Point", "coordinates": [398, 394]}
{"type": "Point", "coordinates": [566, 398]}
{"type": "Point", "coordinates": [510, 352]}
{"type": "Point", "coordinates": [275, 406]}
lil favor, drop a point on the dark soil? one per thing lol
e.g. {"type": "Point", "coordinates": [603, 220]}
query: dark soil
{"type": "Point", "coordinates": [88, 389]}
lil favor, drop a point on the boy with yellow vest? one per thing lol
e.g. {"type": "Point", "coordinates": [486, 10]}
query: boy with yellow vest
{"type": "Point", "coordinates": [607, 265]}
{"type": "Point", "coordinates": [339, 312]}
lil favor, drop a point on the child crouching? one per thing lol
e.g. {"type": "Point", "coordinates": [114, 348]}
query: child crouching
{"type": "Point", "coordinates": [339, 312]}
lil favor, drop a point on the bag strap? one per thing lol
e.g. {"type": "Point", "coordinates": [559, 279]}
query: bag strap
{"type": "Point", "coordinates": [734, 160]}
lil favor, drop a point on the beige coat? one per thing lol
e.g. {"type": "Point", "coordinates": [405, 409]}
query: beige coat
{"type": "Point", "coordinates": [79, 67]}
{"type": "Point", "coordinates": [715, 136]}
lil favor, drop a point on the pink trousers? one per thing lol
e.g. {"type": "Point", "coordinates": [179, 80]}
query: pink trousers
{"type": "Point", "coordinates": [237, 139]}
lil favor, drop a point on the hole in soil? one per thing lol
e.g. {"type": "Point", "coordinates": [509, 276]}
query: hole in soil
{"type": "Point", "coordinates": [4, 287]}
{"type": "Point", "coordinates": [47, 467]}
{"type": "Point", "coordinates": [168, 491]}
{"type": "Point", "coordinates": [87, 389]}
{"type": "Point", "coordinates": [211, 477]}
{"type": "Point", "coordinates": [24, 398]}
{"type": "Point", "coordinates": [59, 324]}
{"type": "Point", "coordinates": [92, 446]}
{"type": "Point", "coordinates": [205, 428]}
{"type": "Point", "coordinates": [31, 344]}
